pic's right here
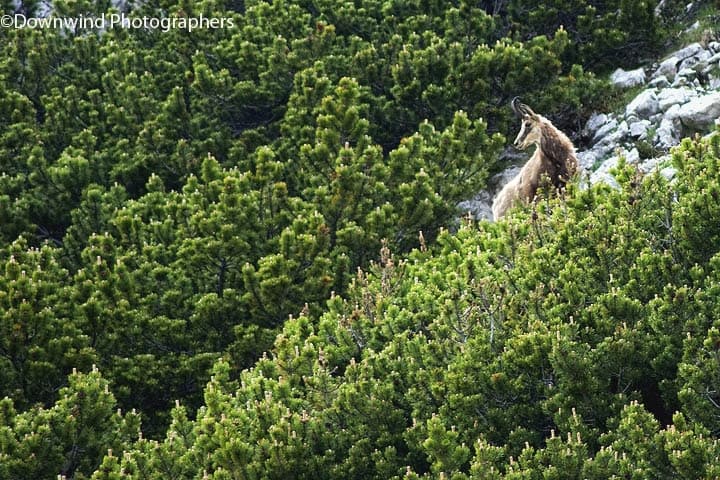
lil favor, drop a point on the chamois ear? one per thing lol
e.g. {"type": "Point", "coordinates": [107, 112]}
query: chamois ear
{"type": "Point", "coordinates": [520, 109]}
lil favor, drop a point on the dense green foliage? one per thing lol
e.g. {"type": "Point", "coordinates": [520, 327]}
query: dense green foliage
{"type": "Point", "coordinates": [576, 340]}
{"type": "Point", "coordinates": [174, 204]}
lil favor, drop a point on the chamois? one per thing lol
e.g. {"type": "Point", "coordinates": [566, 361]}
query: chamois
{"type": "Point", "coordinates": [554, 157]}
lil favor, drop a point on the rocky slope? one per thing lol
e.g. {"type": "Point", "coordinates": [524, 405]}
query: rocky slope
{"type": "Point", "coordinates": [679, 96]}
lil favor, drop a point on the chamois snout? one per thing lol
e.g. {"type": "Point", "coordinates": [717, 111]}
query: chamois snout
{"type": "Point", "coordinates": [518, 141]}
{"type": "Point", "coordinates": [529, 133]}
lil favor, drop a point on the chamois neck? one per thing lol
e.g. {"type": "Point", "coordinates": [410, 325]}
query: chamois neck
{"type": "Point", "coordinates": [555, 146]}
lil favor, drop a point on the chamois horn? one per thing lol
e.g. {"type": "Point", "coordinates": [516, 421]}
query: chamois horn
{"type": "Point", "coordinates": [520, 108]}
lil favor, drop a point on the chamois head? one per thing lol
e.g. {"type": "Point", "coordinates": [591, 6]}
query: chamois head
{"type": "Point", "coordinates": [530, 132]}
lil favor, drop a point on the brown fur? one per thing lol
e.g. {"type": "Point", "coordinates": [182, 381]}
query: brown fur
{"type": "Point", "coordinates": [554, 158]}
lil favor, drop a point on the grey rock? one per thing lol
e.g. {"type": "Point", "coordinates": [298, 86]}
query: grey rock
{"type": "Point", "coordinates": [479, 207]}
{"type": "Point", "coordinates": [652, 164]}
{"type": "Point", "coordinates": [584, 181]}
{"type": "Point", "coordinates": [644, 105]}
{"type": "Point", "coordinates": [588, 159]}
{"type": "Point", "coordinates": [700, 113]}
{"type": "Point", "coordinates": [714, 47]}
{"type": "Point", "coordinates": [604, 177]}
{"type": "Point", "coordinates": [672, 112]}
{"type": "Point", "coordinates": [607, 165]}
{"type": "Point", "coordinates": [626, 79]}
{"type": "Point", "coordinates": [122, 5]}
{"type": "Point", "coordinates": [712, 70]}
{"type": "Point", "coordinates": [684, 58]}
{"type": "Point", "coordinates": [695, 60]}
{"type": "Point", "coordinates": [631, 156]}
{"type": "Point", "coordinates": [660, 7]}
{"type": "Point", "coordinates": [512, 157]}
{"type": "Point", "coordinates": [667, 134]}
{"type": "Point", "coordinates": [604, 130]}
{"type": "Point", "coordinates": [667, 68]}
{"type": "Point", "coordinates": [693, 27]}
{"type": "Point", "coordinates": [602, 174]}
{"type": "Point", "coordinates": [639, 129]}
{"type": "Point", "coordinates": [605, 147]}
{"type": "Point", "coordinates": [630, 119]}
{"type": "Point", "coordinates": [594, 123]}
{"type": "Point", "coordinates": [690, 51]}
{"type": "Point", "coordinates": [499, 180]}
{"type": "Point", "coordinates": [611, 141]}
{"type": "Point", "coordinates": [688, 73]}
{"type": "Point", "coordinates": [714, 83]}
{"type": "Point", "coordinates": [714, 59]}
{"type": "Point", "coordinates": [623, 128]}
{"type": "Point", "coordinates": [657, 118]}
{"type": "Point", "coordinates": [659, 164]}
{"type": "Point", "coordinates": [680, 82]}
{"type": "Point", "coordinates": [600, 152]}
{"type": "Point", "coordinates": [668, 173]}
{"type": "Point", "coordinates": [44, 10]}
{"type": "Point", "coordinates": [700, 67]}
{"type": "Point", "coordinates": [674, 96]}
{"type": "Point", "coordinates": [649, 165]}
{"type": "Point", "coordinates": [659, 82]}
